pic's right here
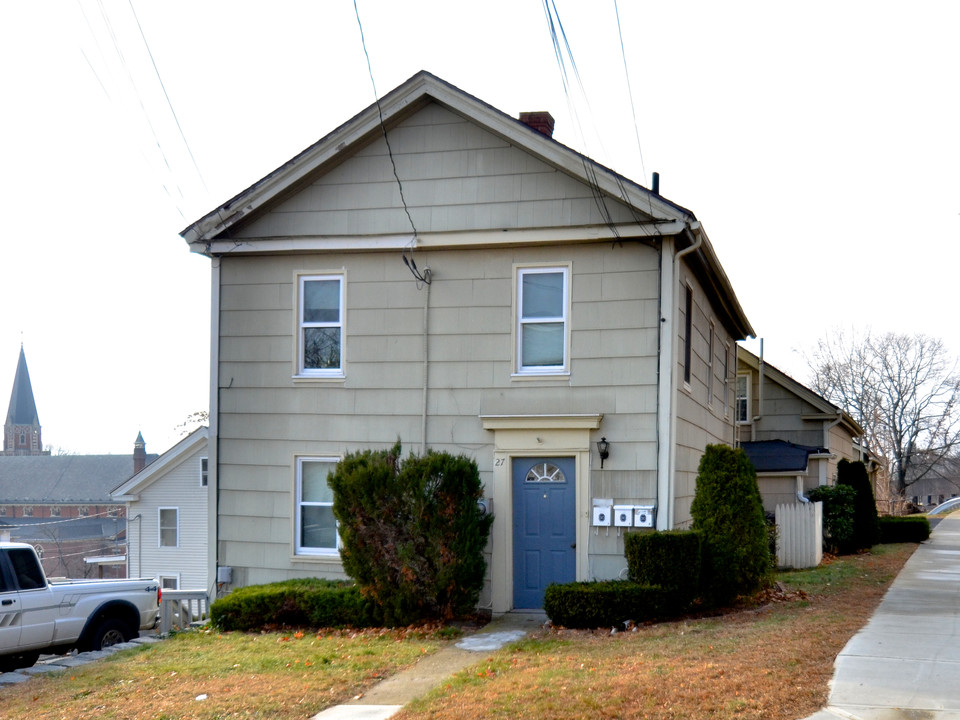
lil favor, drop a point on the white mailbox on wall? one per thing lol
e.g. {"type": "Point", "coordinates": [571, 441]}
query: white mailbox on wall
{"type": "Point", "coordinates": [643, 516]}
{"type": "Point", "coordinates": [602, 512]}
{"type": "Point", "coordinates": [623, 515]}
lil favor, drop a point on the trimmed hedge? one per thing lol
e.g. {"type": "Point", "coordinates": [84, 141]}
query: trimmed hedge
{"type": "Point", "coordinates": [912, 528]}
{"type": "Point", "coordinates": [866, 531]}
{"type": "Point", "coordinates": [839, 511]}
{"type": "Point", "coordinates": [607, 603]}
{"type": "Point", "coordinates": [666, 559]}
{"type": "Point", "coordinates": [308, 602]}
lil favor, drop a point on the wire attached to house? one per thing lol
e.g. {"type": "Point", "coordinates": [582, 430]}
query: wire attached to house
{"type": "Point", "coordinates": [423, 278]}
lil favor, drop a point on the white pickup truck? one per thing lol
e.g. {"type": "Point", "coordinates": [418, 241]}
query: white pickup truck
{"type": "Point", "coordinates": [37, 615]}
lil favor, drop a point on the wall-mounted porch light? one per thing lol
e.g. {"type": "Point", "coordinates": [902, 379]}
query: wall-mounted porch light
{"type": "Point", "coordinates": [603, 447]}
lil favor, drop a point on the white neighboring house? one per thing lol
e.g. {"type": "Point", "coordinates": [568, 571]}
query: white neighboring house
{"type": "Point", "coordinates": [167, 516]}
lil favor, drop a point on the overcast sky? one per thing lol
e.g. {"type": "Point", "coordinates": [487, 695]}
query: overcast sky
{"type": "Point", "coordinates": [817, 142]}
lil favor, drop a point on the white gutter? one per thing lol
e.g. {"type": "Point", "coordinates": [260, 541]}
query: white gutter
{"type": "Point", "coordinates": [213, 430]}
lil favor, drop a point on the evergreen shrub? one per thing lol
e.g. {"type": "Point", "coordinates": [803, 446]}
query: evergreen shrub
{"type": "Point", "coordinates": [866, 530]}
{"type": "Point", "coordinates": [412, 535]}
{"type": "Point", "coordinates": [607, 603]}
{"type": "Point", "coordinates": [669, 559]}
{"type": "Point", "coordinates": [309, 602]}
{"type": "Point", "coordinates": [839, 509]}
{"type": "Point", "coordinates": [728, 512]}
{"type": "Point", "coordinates": [912, 528]}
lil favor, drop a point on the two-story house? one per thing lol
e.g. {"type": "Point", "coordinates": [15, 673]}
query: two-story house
{"type": "Point", "coordinates": [438, 271]}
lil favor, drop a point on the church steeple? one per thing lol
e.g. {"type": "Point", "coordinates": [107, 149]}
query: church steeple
{"type": "Point", "coordinates": [21, 430]}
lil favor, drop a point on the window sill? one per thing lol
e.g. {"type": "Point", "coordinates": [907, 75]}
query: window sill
{"type": "Point", "coordinates": [331, 559]}
{"type": "Point", "coordinates": [318, 378]}
{"type": "Point", "coordinates": [523, 376]}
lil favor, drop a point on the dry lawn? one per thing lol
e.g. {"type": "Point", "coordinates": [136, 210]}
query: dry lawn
{"type": "Point", "coordinates": [770, 660]}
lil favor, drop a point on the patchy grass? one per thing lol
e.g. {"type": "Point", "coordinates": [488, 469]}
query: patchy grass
{"type": "Point", "coordinates": [207, 675]}
{"type": "Point", "coordinates": [771, 659]}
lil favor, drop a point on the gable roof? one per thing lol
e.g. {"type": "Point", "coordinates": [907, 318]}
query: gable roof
{"type": "Point", "coordinates": [67, 479]}
{"type": "Point", "coordinates": [155, 470]}
{"type": "Point", "coordinates": [824, 406]}
{"type": "Point", "coordinates": [22, 409]}
{"type": "Point", "coordinates": [653, 216]}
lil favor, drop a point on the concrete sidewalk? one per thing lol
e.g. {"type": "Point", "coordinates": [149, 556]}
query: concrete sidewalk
{"type": "Point", "coordinates": [386, 698]}
{"type": "Point", "coordinates": [905, 663]}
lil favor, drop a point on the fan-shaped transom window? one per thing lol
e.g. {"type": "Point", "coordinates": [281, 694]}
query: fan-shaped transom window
{"type": "Point", "coordinates": [545, 473]}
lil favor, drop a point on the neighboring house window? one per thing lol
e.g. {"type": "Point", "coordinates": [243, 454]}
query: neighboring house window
{"type": "Point", "coordinates": [84, 511]}
{"type": "Point", "coordinates": [55, 511]}
{"type": "Point", "coordinates": [687, 334]}
{"type": "Point", "coordinates": [710, 365]}
{"type": "Point", "coordinates": [726, 380]}
{"type": "Point", "coordinates": [321, 317]}
{"type": "Point", "coordinates": [203, 472]}
{"type": "Point", "coordinates": [28, 511]}
{"type": "Point", "coordinates": [3, 510]}
{"type": "Point", "coordinates": [169, 525]}
{"type": "Point", "coordinates": [169, 582]}
{"type": "Point", "coordinates": [743, 398]}
{"type": "Point", "coordinates": [542, 327]}
{"type": "Point", "coordinates": [316, 527]}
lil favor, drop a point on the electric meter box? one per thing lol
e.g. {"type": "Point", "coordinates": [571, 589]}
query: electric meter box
{"type": "Point", "coordinates": [602, 515]}
{"type": "Point", "coordinates": [623, 515]}
{"type": "Point", "coordinates": [643, 516]}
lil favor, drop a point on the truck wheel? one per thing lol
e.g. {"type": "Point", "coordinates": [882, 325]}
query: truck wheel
{"type": "Point", "coordinates": [109, 632]}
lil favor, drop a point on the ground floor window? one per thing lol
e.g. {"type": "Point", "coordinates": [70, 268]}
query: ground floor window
{"type": "Point", "coordinates": [316, 527]}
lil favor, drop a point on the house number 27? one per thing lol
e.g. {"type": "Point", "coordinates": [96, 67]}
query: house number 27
{"type": "Point", "coordinates": [499, 462]}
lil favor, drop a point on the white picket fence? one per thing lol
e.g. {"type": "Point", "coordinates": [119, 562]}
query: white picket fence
{"type": "Point", "coordinates": [799, 535]}
{"type": "Point", "coordinates": [181, 608]}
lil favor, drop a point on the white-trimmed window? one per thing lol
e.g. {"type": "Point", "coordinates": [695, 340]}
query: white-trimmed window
{"type": "Point", "coordinates": [168, 523]}
{"type": "Point", "coordinates": [687, 334]}
{"type": "Point", "coordinates": [543, 329]}
{"type": "Point", "coordinates": [743, 399]}
{"type": "Point", "coordinates": [320, 325]}
{"type": "Point", "coordinates": [710, 337]}
{"type": "Point", "coordinates": [316, 527]}
{"type": "Point", "coordinates": [170, 582]}
{"type": "Point", "coordinates": [204, 475]}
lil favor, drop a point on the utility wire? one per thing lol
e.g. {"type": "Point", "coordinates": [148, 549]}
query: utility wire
{"type": "Point", "coordinates": [421, 277]}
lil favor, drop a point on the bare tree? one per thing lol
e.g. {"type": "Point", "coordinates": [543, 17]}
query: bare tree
{"type": "Point", "coordinates": [192, 422]}
{"type": "Point", "coordinates": [905, 392]}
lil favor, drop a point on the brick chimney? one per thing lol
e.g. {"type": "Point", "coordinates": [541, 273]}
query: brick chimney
{"type": "Point", "coordinates": [139, 454]}
{"type": "Point", "coordinates": [541, 121]}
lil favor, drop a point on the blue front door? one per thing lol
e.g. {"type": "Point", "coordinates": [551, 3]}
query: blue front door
{"type": "Point", "coordinates": [544, 527]}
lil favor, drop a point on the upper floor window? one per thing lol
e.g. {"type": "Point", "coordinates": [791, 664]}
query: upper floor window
{"type": "Point", "coordinates": [543, 298]}
{"type": "Point", "coordinates": [710, 335]}
{"type": "Point", "coordinates": [204, 478]}
{"type": "Point", "coordinates": [316, 527]}
{"type": "Point", "coordinates": [687, 334]}
{"type": "Point", "coordinates": [320, 325]}
{"type": "Point", "coordinates": [169, 526]}
{"type": "Point", "coordinates": [743, 399]}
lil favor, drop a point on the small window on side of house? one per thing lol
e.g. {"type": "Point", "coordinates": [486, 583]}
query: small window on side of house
{"type": "Point", "coordinates": [743, 399]}
{"type": "Point", "coordinates": [169, 526]}
{"type": "Point", "coordinates": [204, 477]}
{"type": "Point", "coordinates": [710, 350]}
{"type": "Point", "coordinates": [688, 335]}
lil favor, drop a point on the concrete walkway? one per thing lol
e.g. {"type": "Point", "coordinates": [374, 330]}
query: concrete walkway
{"type": "Point", "coordinates": [386, 698]}
{"type": "Point", "coordinates": [905, 663]}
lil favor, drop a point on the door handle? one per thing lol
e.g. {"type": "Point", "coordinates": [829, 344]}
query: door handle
{"type": "Point", "coordinates": [7, 602]}
{"type": "Point", "coordinates": [573, 546]}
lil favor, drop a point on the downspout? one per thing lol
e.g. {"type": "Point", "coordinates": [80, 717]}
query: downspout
{"type": "Point", "coordinates": [667, 420]}
{"type": "Point", "coordinates": [213, 433]}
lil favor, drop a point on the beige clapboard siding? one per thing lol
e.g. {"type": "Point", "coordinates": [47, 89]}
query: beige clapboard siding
{"type": "Point", "coordinates": [480, 184]}
{"type": "Point", "coordinates": [179, 487]}
{"type": "Point", "coordinates": [267, 418]}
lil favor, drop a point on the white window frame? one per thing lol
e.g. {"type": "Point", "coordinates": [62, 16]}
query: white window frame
{"type": "Point", "coordinates": [540, 370]}
{"type": "Point", "coordinates": [301, 325]}
{"type": "Point", "coordinates": [204, 472]}
{"type": "Point", "coordinates": [746, 397]}
{"type": "Point", "coordinates": [711, 340]}
{"type": "Point", "coordinates": [161, 527]}
{"type": "Point", "coordinates": [300, 549]}
{"type": "Point", "coordinates": [175, 578]}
